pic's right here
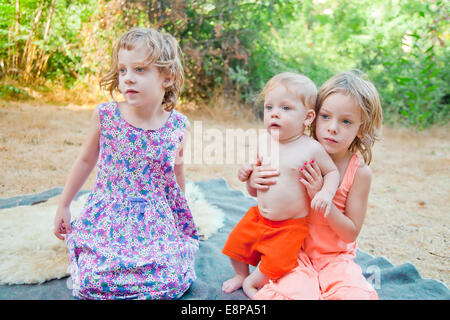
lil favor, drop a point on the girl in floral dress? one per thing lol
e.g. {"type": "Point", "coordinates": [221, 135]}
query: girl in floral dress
{"type": "Point", "coordinates": [135, 237]}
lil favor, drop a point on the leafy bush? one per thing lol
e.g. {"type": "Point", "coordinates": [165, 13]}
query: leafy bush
{"type": "Point", "coordinates": [10, 92]}
{"type": "Point", "coordinates": [233, 47]}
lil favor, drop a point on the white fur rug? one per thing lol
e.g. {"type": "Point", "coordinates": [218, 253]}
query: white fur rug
{"type": "Point", "coordinates": [30, 252]}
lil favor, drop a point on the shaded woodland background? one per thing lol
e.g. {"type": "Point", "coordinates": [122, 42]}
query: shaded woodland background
{"type": "Point", "coordinates": [55, 51]}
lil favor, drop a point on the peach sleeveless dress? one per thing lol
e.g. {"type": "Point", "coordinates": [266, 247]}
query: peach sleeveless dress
{"type": "Point", "coordinates": [326, 267]}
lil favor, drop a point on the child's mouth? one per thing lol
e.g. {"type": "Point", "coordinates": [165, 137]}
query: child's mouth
{"type": "Point", "coordinates": [330, 140]}
{"type": "Point", "coordinates": [274, 126]}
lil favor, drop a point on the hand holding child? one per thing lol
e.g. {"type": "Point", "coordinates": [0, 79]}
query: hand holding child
{"type": "Point", "coordinates": [260, 177]}
{"type": "Point", "coordinates": [312, 178]}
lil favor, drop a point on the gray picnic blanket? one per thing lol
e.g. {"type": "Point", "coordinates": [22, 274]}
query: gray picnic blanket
{"type": "Point", "coordinates": [212, 267]}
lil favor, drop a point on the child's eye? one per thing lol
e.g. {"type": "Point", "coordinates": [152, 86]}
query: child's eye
{"type": "Point", "coordinates": [286, 108]}
{"type": "Point", "coordinates": [121, 70]}
{"type": "Point", "coordinates": [269, 107]}
{"type": "Point", "coordinates": [139, 69]}
{"type": "Point", "coordinates": [324, 116]}
{"type": "Point", "coordinates": [347, 122]}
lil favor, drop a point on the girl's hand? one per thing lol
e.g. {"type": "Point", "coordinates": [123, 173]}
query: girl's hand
{"type": "Point", "coordinates": [260, 178]}
{"type": "Point", "coordinates": [311, 178]}
{"type": "Point", "coordinates": [322, 201]}
{"type": "Point", "coordinates": [62, 222]}
{"type": "Point", "coordinates": [244, 172]}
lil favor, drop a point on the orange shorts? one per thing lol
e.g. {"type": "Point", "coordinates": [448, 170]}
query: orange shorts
{"type": "Point", "coordinates": [275, 243]}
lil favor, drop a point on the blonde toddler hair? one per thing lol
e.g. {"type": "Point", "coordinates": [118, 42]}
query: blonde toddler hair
{"type": "Point", "coordinates": [356, 84]}
{"type": "Point", "coordinates": [296, 83]}
{"type": "Point", "coordinates": [164, 52]}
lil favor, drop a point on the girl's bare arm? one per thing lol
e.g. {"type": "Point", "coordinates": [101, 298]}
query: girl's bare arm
{"type": "Point", "coordinates": [349, 225]}
{"type": "Point", "coordinates": [80, 171]}
{"type": "Point", "coordinates": [85, 162]}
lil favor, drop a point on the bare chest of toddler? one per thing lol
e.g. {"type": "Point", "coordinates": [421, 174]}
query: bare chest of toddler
{"type": "Point", "coordinates": [287, 198]}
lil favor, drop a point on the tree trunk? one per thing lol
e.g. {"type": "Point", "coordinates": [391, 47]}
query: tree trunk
{"type": "Point", "coordinates": [47, 26]}
{"type": "Point", "coordinates": [40, 61]}
{"type": "Point", "coordinates": [15, 54]}
{"type": "Point", "coordinates": [28, 50]}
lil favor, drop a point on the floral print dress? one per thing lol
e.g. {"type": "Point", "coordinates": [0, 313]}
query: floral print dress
{"type": "Point", "coordinates": [135, 237]}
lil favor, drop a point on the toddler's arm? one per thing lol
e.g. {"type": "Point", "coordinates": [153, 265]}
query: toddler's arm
{"type": "Point", "coordinates": [323, 199]}
{"type": "Point", "coordinates": [80, 171]}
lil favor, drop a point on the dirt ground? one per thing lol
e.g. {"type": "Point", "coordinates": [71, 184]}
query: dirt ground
{"type": "Point", "coordinates": [407, 220]}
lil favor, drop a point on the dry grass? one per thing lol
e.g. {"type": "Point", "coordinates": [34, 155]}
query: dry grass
{"type": "Point", "coordinates": [407, 220]}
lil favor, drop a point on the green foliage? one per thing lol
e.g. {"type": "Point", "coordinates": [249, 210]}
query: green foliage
{"type": "Point", "coordinates": [40, 41]}
{"type": "Point", "coordinates": [400, 44]}
{"type": "Point", "coordinates": [409, 63]}
{"type": "Point", "coordinates": [224, 42]}
{"type": "Point", "coordinates": [234, 47]}
{"type": "Point", "coordinates": [10, 92]}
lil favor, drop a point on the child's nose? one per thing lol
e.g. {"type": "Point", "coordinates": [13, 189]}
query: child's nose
{"type": "Point", "coordinates": [129, 78]}
{"type": "Point", "coordinates": [332, 128]}
{"type": "Point", "coordinates": [275, 113]}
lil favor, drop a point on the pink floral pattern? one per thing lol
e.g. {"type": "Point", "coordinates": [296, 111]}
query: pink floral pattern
{"type": "Point", "coordinates": [135, 237]}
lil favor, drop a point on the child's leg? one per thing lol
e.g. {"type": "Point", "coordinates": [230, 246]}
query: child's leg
{"type": "Point", "coordinates": [253, 282]}
{"type": "Point", "coordinates": [342, 279]}
{"type": "Point", "coordinates": [301, 283]}
{"type": "Point", "coordinates": [242, 272]}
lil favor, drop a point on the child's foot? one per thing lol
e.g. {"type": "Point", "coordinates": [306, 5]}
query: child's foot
{"type": "Point", "coordinates": [249, 291]}
{"type": "Point", "coordinates": [233, 284]}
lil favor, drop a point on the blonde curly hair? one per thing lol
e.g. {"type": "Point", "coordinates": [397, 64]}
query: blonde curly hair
{"type": "Point", "coordinates": [357, 85]}
{"type": "Point", "coordinates": [164, 53]}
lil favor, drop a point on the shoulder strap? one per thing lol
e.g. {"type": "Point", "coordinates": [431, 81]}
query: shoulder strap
{"type": "Point", "coordinates": [105, 108]}
{"type": "Point", "coordinates": [179, 121]}
{"type": "Point", "coordinates": [350, 172]}
{"type": "Point", "coordinates": [107, 112]}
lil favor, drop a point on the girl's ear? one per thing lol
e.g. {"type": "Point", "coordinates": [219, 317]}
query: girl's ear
{"type": "Point", "coordinates": [168, 81]}
{"type": "Point", "coordinates": [309, 118]}
{"type": "Point", "coordinates": [359, 134]}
